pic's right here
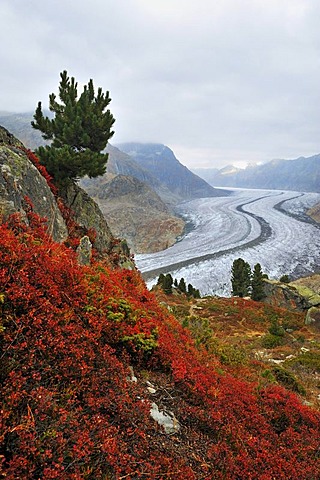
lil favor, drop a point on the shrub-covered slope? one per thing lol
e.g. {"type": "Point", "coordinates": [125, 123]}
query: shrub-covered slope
{"type": "Point", "coordinates": [71, 408]}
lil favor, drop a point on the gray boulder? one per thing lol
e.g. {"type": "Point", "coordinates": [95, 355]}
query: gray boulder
{"type": "Point", "coordinates": [20, 180]}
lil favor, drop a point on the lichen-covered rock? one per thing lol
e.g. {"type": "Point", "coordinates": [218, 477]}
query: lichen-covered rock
{"type": "Point", "coordinates": [313, 316]}
{"type": "Point", "coordinates": [84, 251]}
{"type": "Point", "coordinates": [88, 215]}
{"type": "Point", "coordinates": [302, 294]}
{"type": "Point", "coordinates": [283, 295]}
{"type": "Point", "coordinates": [19, 179]}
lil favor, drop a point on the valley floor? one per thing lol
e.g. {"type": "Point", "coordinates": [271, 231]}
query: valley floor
{"type": "Point", "coordinates": [261, 226]}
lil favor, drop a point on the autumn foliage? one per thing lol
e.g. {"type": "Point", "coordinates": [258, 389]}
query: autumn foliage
{"type": "Point", "coordinates": [68, 335]}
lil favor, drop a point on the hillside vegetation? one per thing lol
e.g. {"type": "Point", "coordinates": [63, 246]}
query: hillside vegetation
{"type": "Point", "coordinates": [87, 351]}
{"type": "Point", "coordinates": [103, 380]}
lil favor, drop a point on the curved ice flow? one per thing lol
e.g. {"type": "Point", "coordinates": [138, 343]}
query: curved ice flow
{"type": "Point", "coordinates": [223, 231]}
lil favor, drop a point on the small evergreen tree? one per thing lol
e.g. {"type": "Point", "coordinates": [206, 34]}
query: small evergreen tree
{"type": "Point", "coordinates": [167, 284]}
{"type": "Point", "coordinates": [190, 290]}
{"type": "Point", "coordinates": [240, 278]}
{"type": "Point", "coordinates": [196, 293]}
{"type": "Point", "coordinates": [193, 292]}
{"type": "Point", "coordinates": [257, 291]}
{"type": "Point", "coordinates": [160, 279]}
{"type": "Point", "coordinates": [285, 279]}
{"type": "Point", "coordinates": [79, 131]}
{"type": "Point", "coordinates": [182, 286]}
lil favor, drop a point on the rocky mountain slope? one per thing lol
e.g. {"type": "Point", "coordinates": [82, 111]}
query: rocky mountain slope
{"type": "Point", "coordinates": [161, 162]}
{"type": "Point", "coordinates": [100, 381]}
{"type": "Point", "coordinates": [19, 124]}
{"type": "Point", "coordinates": [135, 212]}
{"type": "Point", "coordinates": [314, 212]}
{"type": "Point", "coordinates": [120, 163]}
{"type": "Point", "coordinates": [301, 174]}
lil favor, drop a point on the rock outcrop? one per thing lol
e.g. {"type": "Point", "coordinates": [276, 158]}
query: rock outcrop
{"type": "Point", "coordinates": [22, 185]}
{"type": "Point", "coordinates": [20, 179]}
{"type": "Point", "coordinates": [302, 294]}
{"type": "Point", "coordinates": [88, 215]}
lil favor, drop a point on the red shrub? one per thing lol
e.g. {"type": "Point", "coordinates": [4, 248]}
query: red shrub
{"type": "Point", "coordinates": [68, 334]}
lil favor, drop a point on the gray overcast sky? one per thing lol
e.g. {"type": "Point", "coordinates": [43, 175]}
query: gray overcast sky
{"type": "Point", "coordinates": [218, 81]}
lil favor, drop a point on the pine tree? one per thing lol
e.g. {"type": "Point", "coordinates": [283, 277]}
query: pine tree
{"type": "Point", "coordinates": [257, 291]}
{"type": "Point", "coordinates": [190, 290]}
{"type": "Point", "coordinates": [160, 279]}
{"type": "Point", "coordinates": [167, 284]}
{"type": "Point", "coordinates": [196, 293]}
{"type": "Point", "coordinates": [240, 278]}
{"type": "Point", "coordinates": [79, 131]}
{"type": "Point", "coordinates": [182, 286]}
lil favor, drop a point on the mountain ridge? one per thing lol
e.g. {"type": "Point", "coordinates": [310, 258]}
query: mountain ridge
{"type": "Point", "coordinates": [300, 174]}
{"type": "Point", "coordinates": [161, 162]}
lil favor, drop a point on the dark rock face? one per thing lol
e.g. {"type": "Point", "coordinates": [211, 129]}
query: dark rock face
{"type": "Point", "coordinates": [19, 178]}
{"type": "Point", "coordinates": [284, 296]}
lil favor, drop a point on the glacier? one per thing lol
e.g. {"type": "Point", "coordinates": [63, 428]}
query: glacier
{"type": "Point", "coordinates": [269, 227]}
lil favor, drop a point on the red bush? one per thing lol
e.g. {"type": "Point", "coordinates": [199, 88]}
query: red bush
{"type": "Point", "coordinates": [68, 334]}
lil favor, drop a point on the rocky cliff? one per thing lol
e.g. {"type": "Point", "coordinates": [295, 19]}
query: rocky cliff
{"type": "Point", "coordinates": [19, 180]}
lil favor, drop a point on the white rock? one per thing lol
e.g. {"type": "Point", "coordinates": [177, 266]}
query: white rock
{"type": "Point", "coordinates": [167, 420]}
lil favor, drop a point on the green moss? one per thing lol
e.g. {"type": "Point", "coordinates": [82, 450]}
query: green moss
{"type": "Point", "coordinates": [214, 307]}
{"type": "Point", "coordinates": [16, 162]}
{"type": "Point", "coordinates": [276, 329]}
{"type": "Point", "coordinates": [231, 355]}
{"type": "Point", "coordinates": [200, 329]}
{"type": "Point", "coordinates": [312, 297]}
